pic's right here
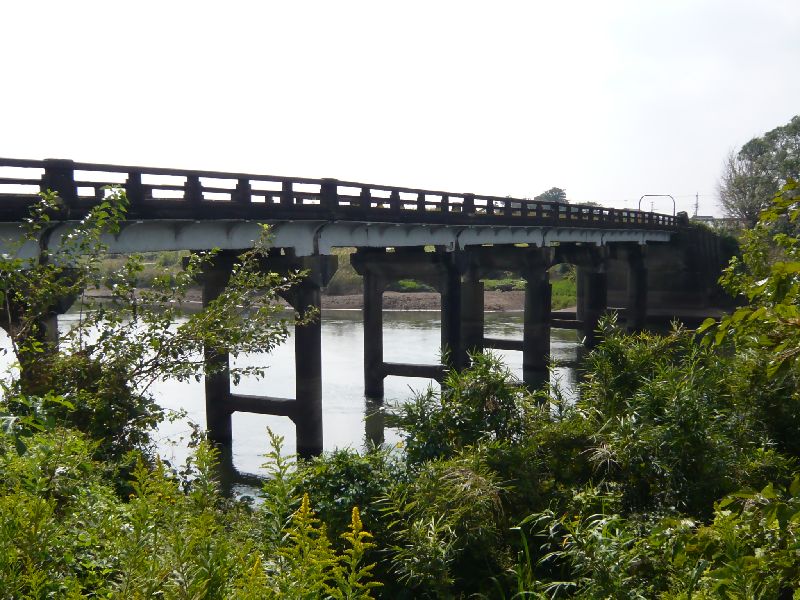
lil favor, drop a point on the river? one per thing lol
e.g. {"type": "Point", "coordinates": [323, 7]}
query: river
{"type": "Point", "coordinates": [409, 336]}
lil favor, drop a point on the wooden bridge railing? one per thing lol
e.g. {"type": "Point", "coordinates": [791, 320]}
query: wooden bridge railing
{"type": "Point", "coordinates": [187, 194]}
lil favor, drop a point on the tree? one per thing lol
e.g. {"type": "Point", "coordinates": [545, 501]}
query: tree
{"type": "Point", "coordinates": [554, 194]}
{"type": "Point", "coordinates": [752, 176]}
{"type": "Point", "coordinates": [103, 367]}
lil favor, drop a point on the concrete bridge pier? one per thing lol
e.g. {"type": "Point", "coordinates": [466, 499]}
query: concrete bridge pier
{"type": "Point", "coordinates": [374, 286]}
{"type": "Point", "coordinates": [472, 317]}
{"type": "Point", "coordinates": [214, 278]}
{"type": "Point", "coordinates": [536, 324]}
{"type": "Point", "coordinates": [437, 269]}
{"type": "Point", "coordinates": [592, 296]}
{"type": "Point", "coordinates": [636, 308]}
{"type": "Point", "coordinates": [305, 409]}
{"type": "Point", "coordinates": [531, 263]}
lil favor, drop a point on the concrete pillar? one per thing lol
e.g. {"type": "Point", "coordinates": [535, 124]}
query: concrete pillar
{"type": "Point", "coordinates": [536, 327]}
{"type": "Point", "coordinates": [592, 287]}
{"type": "Point", "coordinates": [217, 384]}
{"type": "Point", "coordinates": [306, 411]}
{"type": "Point", "coordinates": [374, 422]}
{"type": "Point", "coordinates": [308, 372]}
{"type": "Point", "coordinates": [451, 317]}
{"type": "Point", "coordinates": [373, 334]}
{"type": "Point", "coordinates": [472, 312]}
{"type": "Point", "coordinates": [637, 290]}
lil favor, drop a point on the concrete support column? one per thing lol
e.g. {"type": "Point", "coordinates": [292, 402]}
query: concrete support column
{"type": "Point", "coordinates": [637, 290]}
{"type": "Point", "coordinates": [374, 422]}
{"type": "Point", "coordinates": [472, 317]}
{"type": "Point", "coordinates": [536, 327]}
{"type": "Point", "coordinates": [308, 371]}
{"type": "Point", "coordinates": [592, 287]}
{"type": "Point", "coordinates": [451, 317]}
{"type": "Point", "coordinates": [217, 382]}
{"type": "Point", "coordinates": [374, 285]}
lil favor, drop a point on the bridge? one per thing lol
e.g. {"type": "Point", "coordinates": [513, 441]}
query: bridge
{"type": "Point", "coordinates": [451, 241]}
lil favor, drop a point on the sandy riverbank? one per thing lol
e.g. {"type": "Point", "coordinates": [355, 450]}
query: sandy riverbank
{"type": "Point", "coordinates": [493, 301]}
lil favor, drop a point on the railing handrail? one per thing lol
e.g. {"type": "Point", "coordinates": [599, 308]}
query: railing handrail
{"type": "Point", "coordinates": [60, 175]}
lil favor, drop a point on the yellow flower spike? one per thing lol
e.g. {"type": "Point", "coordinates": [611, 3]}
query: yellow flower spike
{"type": "Point", "coordinates": [356, 520]}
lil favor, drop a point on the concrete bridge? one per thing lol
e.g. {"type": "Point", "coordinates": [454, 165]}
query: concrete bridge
{"type": "Point", "coordinates": [636, 259]}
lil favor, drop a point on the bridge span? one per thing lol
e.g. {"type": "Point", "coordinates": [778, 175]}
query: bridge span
{"type": "Point", "coordinates": [393, 230]}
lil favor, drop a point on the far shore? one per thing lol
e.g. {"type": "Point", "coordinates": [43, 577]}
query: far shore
{"type": "Point", "coordinates": [494, 301]}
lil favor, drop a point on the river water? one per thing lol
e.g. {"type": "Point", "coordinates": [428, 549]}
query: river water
{"type": "Point", "coordinates": [409, 336]}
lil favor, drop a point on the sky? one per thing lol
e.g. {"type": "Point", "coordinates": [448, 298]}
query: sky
{"type": "Point", "coordinates": [609, 100]}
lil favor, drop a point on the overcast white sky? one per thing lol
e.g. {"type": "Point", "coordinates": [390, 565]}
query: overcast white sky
{"type": "Point", "coordinates": [609, 100]}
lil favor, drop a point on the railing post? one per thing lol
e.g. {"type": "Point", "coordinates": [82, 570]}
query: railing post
{"type": "Point", "coordinates": [59, 176]}
{"type": "Point", "coordinates": [365, 199]}
{"type": "Point", "coordinates": [241, 194]}
{"type": "Point", "coordinates": [469, 204]}
{"type": "Point", "coordinates": [329, 194]}
{"type": "Point", "coordinates": [193, 190]}
{"type": "Point", "coordinates": [133, 188]}
{"type": "Point", "coordinates": [287, 194]}
{"type": "Point", "coordinates": [421, 202]}
{"type": "Point", "coordinates": [394, 201]}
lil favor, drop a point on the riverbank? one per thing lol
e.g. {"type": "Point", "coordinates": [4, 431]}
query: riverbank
{"type": "Point", "coordinates": [494, 301]}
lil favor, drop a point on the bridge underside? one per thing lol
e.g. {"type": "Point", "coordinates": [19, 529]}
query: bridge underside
{"type": "Point", "coordinates": [308, 238]}
{"type": "Point", "coordinates": [457, 276]}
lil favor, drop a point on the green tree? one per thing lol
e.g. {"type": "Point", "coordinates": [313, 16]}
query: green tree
{"type": "Point", "coordinates": [554, 194]}
{"type": "Point", "coordinates": [753, 175]}
{"type": "Point", "coordinates": [104, 366]}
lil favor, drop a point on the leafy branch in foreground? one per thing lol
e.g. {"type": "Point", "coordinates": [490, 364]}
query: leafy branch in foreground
{"type": "Point", "coordinates": [106, 362]}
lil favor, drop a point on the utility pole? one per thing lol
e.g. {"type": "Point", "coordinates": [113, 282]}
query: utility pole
{"type": "Point", "coordinates": [696, 203]}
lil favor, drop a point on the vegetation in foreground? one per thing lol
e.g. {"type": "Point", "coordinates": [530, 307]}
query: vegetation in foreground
{"type": "Point", "coordinates": [674, 476]}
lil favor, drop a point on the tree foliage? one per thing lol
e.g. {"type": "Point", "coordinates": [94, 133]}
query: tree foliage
{"type": "Point", "coordinates": [753, 175]}
{"type": "Point", "coordinates": [104, 365]}
{"type": "Point", "coordinates": [554, 194]}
